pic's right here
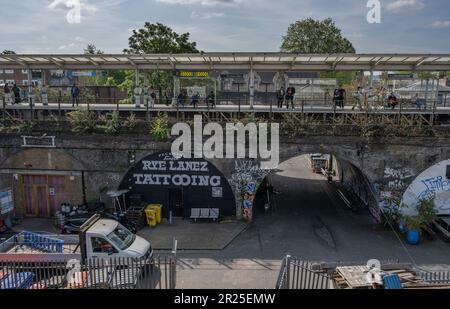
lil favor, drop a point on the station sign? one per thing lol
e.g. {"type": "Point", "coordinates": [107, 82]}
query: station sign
{"type": "Point", "coordinates": [82, 73]}
{"type": "Point", "coordinates": [197, 74]}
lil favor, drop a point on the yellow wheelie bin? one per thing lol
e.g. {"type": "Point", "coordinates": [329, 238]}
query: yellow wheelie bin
{"type": "Point", "coordinates": [151, 217]}
{"type": "Point", "coordinates": [158, 209]}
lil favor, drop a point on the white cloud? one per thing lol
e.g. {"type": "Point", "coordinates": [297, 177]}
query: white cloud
{"type": "Point", "coordinates": [399, 6]}
{"type": "Point", "coordinates": [201, 2]}
{"type": "Point", "coordinates": [64, 4]}
{"type": "Point", "coordinates": [67, 46]}
{"type": "Point", "coordinates": [441, 24]}
{"type": "Point", "coordinates": [206, 15]}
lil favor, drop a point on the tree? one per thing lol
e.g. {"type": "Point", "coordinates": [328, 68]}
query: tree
{"type": "Point", "coordinates": [91, 49]}
{"type": "Point", "coordinates": [157, 39]}
{"type": "Point", "coordinates": [8, 52]}
{"type": "Point", "coordinates": [311, 36]}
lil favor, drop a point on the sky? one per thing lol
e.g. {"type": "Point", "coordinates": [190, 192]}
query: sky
{"type": "Point", "coordinates": [42, 26]}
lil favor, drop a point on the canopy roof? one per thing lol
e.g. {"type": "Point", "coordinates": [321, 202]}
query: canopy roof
{"type": "Point", "coordinates": [422, 87]}
{"type": "Point", "coordinates": [230, 61]}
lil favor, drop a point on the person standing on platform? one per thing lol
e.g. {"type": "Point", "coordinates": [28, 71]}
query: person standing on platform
{"type": "Point", "coordinates": [280, 96]}
{"type": "Point", "coordinates": [16, 91]}
{"type": "Point", "coordinates": [7, 92]}
{"type": "Point", "coordinates": [290, 93]}
{"type": "Point", "coordinates": [75, 93]}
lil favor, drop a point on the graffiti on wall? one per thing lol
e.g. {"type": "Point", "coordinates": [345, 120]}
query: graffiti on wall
{"type": "Point", "coordinates": [432, 183]}
{"type": "Point", "coordinates": [395, 182]}
{"type": "Point", "coordinates": [246, 179]}
{"type": "Point", "coordinates": [397, 178]}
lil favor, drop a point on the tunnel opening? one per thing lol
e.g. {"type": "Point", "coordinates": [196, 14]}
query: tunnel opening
{"type": "Point", "coordinates": [298, 209]}
{"type": "Point", "coordinates": [313, 181]}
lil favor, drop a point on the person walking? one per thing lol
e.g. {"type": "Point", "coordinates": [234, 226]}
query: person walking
{"type": "Point", "coordinates": [7, 92]}
{"type": "Point", "coordinates": [358, 97]}
{"type": "Point", "coordinates": [290, 93]}
{"type": "Point", "coordinates": [211, 99]}
{"type": "Point", "coordinates": [16, 91]}
{"type": "Point", "coordinates": [195, 99]}
{"type": "Point", "coordinates": [418, 101]}
{"type": "Point", "coordinates": [75, 93]}
{"type": "Point", "coordinates": [281, 93]}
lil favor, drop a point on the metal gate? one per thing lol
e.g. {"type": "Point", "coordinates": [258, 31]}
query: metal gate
{"type": "Point", "coordinates": [297, 274]}
{"type": "Point", "coordinates": [117, 273]}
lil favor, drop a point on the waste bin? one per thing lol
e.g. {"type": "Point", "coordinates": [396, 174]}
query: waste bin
{"type": "Point", "coordinates": [151, 217]}
{"type": "Point", "coordinates": [158, 209]}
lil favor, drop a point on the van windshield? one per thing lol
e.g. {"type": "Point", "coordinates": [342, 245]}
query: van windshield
{"type": "Point", "coordinates": [121, 237]}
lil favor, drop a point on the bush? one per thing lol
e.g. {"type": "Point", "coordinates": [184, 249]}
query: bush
{"type": "Point", "coordinates": [130, 123]}
{"type": "Point", "coordinates": [111, 123]}
{"type": "Point", "coordinates": [82, 121]}
{"type": "Point", "coordinates": [426, 214]}
{"type": "Point", "coordinates": [159, 128]}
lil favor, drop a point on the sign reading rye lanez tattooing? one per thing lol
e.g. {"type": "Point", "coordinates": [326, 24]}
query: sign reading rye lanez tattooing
{"type": "Point", "coordinates": [157, 174]}
{"type": "Point", "coordinates": [180, 184]}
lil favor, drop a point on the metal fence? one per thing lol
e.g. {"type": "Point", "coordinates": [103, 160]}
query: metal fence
{"type": "Point", "coordinates": [116, 273]}
{"type": "Point", "coordinates": [297, 274]}
{"type": "Point", "coordinates": [438, 277]}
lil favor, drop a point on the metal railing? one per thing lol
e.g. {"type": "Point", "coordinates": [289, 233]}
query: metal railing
{"type": "Point", "coordinates": [297, 274]}
{"type": "Point", "coordinates": [438, 277]}
{"type": "Point", "coordinates": [116, 273]}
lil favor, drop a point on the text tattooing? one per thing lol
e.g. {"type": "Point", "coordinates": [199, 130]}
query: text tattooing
{"type": "Point", "coordinates": [229, 142]}
{"type": "Point", "coordinates": [157, 177]}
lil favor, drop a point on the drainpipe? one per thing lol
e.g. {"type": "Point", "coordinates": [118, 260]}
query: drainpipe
{"type": "Point", "coordinates": [83, 187]}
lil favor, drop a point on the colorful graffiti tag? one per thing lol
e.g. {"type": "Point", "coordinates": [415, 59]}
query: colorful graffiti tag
{"type": "Point", "coordinates": [246, 180]}
{"type": "Point", "coordinates": [432, 183]}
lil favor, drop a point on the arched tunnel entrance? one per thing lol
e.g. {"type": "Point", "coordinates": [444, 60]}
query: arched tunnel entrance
{"type": "Point", "coordinates": [316, 203]}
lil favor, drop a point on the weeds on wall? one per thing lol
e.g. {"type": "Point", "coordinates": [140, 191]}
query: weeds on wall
{"type": "Point", "coordinates": [110, 123]}
{"type": "Point", "coordinates": [82, 121]}
{"type": "Point", "coordinates": [159, 127]}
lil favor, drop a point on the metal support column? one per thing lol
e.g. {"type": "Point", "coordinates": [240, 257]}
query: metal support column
{"type": "Point", "coordinates": [252, 86]}
{"type": "Point", "coordinates": [137, 90]}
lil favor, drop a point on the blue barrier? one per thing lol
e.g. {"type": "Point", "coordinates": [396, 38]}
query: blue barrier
{"type": "Point", "coordinates": [42, 242]}
{"type": "Point", "coordinates": [17, 281]}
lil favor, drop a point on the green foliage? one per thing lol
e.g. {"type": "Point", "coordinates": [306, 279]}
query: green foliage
{"type": "Point", "coordinates": [159, 127]}
{"type": "Point", "coordinates": [91, 49]}
{"type": "Point", "coordinates": [111, 123]}
{"type": "Point", "coordinates": [154, 39]}
{"type": "Point", "coordinates": [130, 123]}
{"type": "Point", "coordinates": [157, 39]}
{"type": "Point", "coordinates": [82, 121]}
{"type": "Point", "coordinates": [426, 214]}
{"type": "Point", "coordinates": [8, 52]}
{"type": "Point", "coordinates": [315, 37]}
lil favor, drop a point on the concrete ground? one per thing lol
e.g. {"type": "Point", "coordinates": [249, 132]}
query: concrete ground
{"type": "Point", "coordinates": [310, 222]}
{"type": "Point", "coordinates": [193, 236]}
{"type": "Point", "coordinates": [37, 225]}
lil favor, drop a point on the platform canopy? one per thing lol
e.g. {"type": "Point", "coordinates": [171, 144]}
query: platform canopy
{"type": "Point", "coordinates": [233, 61]}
